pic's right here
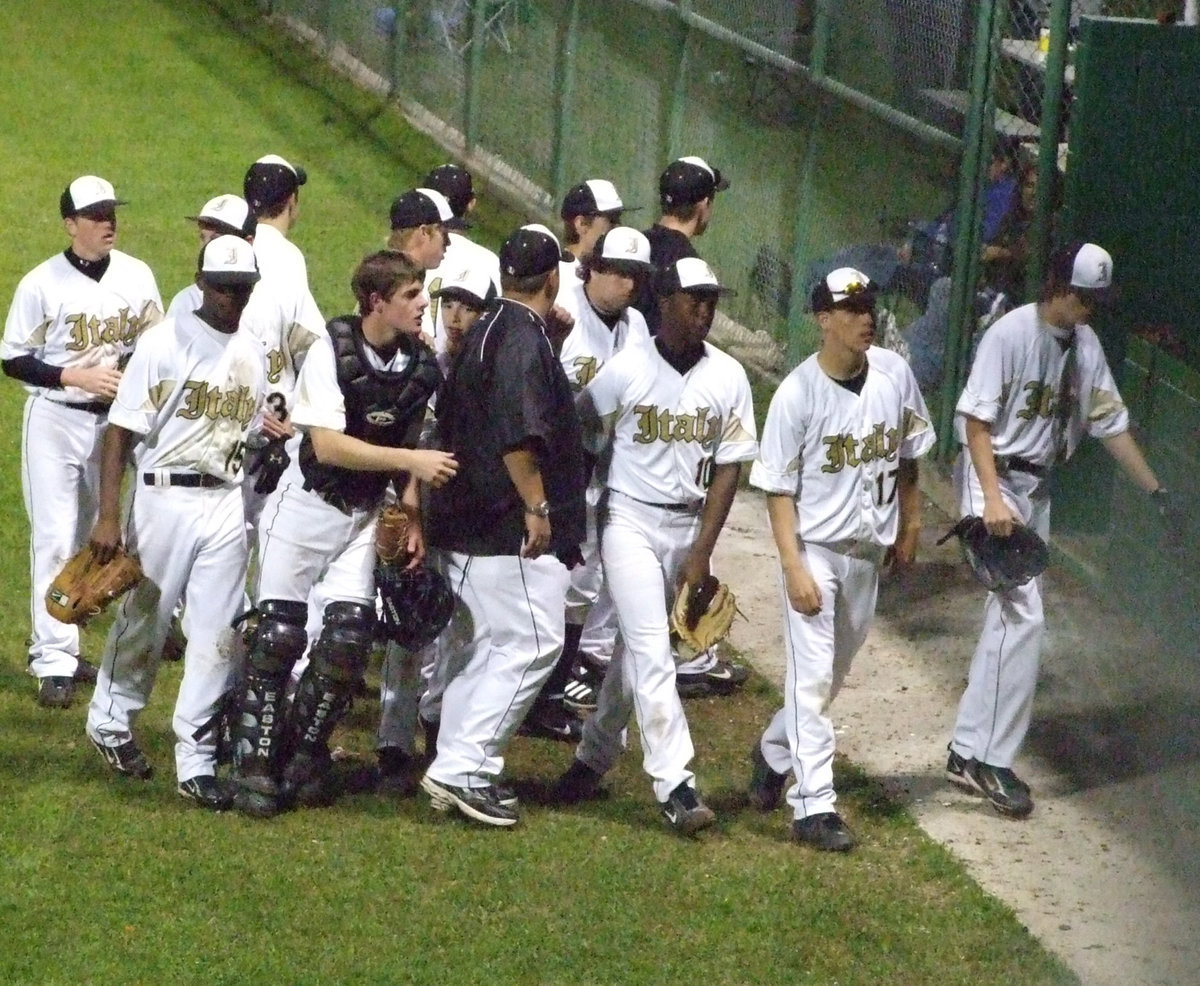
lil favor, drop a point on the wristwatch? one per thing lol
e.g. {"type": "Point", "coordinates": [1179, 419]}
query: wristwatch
{"type": "Point", "coordinates": [539, 509]}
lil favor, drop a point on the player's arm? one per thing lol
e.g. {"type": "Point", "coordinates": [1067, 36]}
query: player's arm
{"type": "Point", "coordinates": [998, 517]}
{"type": "Point", "coordinates": [908, 496]}
{"type": "Point", "coordinates": [410, 499]}
{"type": "Point", "coordinates": [114, 454]}
{"type": "Point", "coordinates": [712, 518]}
{"type": "Point", "coordinates": [803, 594]}
{"type": "Point", "coordinates": [1125, 450]}
{"type": "Point", "coordinates": [526, 476]}
{"type": "Point", "coordinates": [336, 448]}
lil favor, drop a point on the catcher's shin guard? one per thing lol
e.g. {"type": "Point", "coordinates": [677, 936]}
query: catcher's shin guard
{"type": "Point", "coordinates": [323, 696]}
{"type": "Point", "coordinates": [258, 726]}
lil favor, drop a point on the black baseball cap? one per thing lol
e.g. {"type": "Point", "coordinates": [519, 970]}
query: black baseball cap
{"type": "Point", "coordinates": [594, 197]}
{"type": "Point", "coordinates": [270, 180]}
{"type": "Point", "coordinates": [688, 180]}
{"type": "Point", "coordinates": [454, 182]}
{"type": "Point", "coordinates": [532, 250]}
{"type": "Point", "coordinates": [420, 207]}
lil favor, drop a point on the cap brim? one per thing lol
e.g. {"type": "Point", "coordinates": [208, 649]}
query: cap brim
{"type": "Point", "coordinates": [102, 204]}
{"type": "Point", "coordinates": [301, 175]}
{"type": "Point", "coordinates": [227, 278]}
{"type": "Point", "coordinates": [457, 222]}
{"type": "Point", "coordinates": [1096, 297]}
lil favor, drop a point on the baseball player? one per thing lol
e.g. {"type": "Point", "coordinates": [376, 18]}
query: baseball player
{"type": "Point", "coordinates": [411, 685]}
{"type": "Point", "coordinates": [72, 321]}
{"type": "Point", "coordinates": [184, 407]}
{"type": "Point", "coordinates": [360, 402]}
{"type": "Point", "coordinates": [589, 210]}
{"type": "Point", "coordinates": [676, 420]}
{"type": "Point", "coordinates": [419, 231]}
{"type": "Point", "coordinates": [598, 302]}
{"type": "Point", "coordinates": [508, 525]}
{"type": "Point", "coordinates": [838, 465]}
{"type": "Point", "coordinates": [462, 254]}
{"type": "Point", "coordinates": [1038, 384]}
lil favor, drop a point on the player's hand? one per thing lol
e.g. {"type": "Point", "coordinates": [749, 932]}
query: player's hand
{"type": "Point", "coordinates": [804, 595]}
{"type": "Point", "coordinates": [559, 323]}
{"type": "Point", "coordinates": [273, 427]}
{"type": "Point", "coordinates": [998, 518]}
{"type": "Point", "coordinates": [414, 542]}
{"type": "Point", "coordinates": [431, 466]}
{"type": "Point", "coordinates": [901, 555]}
{"type": "Point", "coordinates": [105, 539]}
{"type": "Point", "coordinates": [99, 380]}
{"type": "Point", "coordinates": [537, 536]}
{"type": "Point", "coordinates": [693, 570]}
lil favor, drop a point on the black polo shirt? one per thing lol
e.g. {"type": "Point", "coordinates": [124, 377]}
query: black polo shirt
{"type": "Point", "coordinates": [666, 246]}
{"type": "Point", "coordinates": [507, 390]}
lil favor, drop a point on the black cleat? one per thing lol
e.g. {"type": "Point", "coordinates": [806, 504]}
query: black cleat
{"type": "Point", "coordinates": [578, 783]}
{"type": "Point", "coordinates": [825, 831]}
{"type": "Point", "coordinates": [55, 692]}
{"type": "Point", "coordinates": [1008, 794]}
{"type": "Point", "coordinates": [766, 785]}
{"type": "Point", "coordinates": [85, 672]}
{"type": "Point", "coordinates": [552, 721]}
{"type": "Point", "coordinates": [396, 772]}
{"type": "Point", "coordinates": [481, 804]}
{"type": "Point", "coordinates": [205, 791]}
{"type": "Point", "coordinates": [723, 678]}
{"type": "Point", "coordinates": [126, 759]}
{"type": "Point", "coordinates": [685, 812]}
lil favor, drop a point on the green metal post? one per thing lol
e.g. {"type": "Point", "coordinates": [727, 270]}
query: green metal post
{"type": "Point", "coordinates": [399, 32]}
{"type": "Point", "coordinates": [800, 251]}
{"type": "Point", "coordinates": [330, 27]}
{"type": "Point", "coordinates": [1047, 165]}
{"type": "Point", "coordinates": [474, 74]}
{"type": "Point", "coordinates": [564, 94]}
{"type": "Point", "coordinates": [977, 142]}
{"type": "Point", "coordinates": [675, 121]}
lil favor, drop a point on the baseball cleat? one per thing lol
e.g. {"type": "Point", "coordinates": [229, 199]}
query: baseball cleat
{"type": "Point", "coordinates": [479, 803]}
{"type": "Point", "coordinates": [552, 721]}
{"type": "Point", "coordinates": [685, 812]}
{"type": "Point", "coordinates": [125, 758]}
{"type": "Point", "coordinates": [205, 791]}
{"type": "Point", "coordinates": [578, 783]}
{"type": "Point", "coordinates": [582, 690]}
{"type": "Point", "coordinates": [766, 785]}
{"type": "Point", "coordinates": [1008, 794]}
{"type": "Point", "coordinates": [55, 692]}
{"type": "Point", "coordinates": [507, 796]}
{"type": "Point", "coordinates": [825, 831]}
{"type": "Point", "coordinates": [723, 678]}
{"type": "Point", "coordinates": [85, 672]}
{"type": "Point", "coordinates": [395, 772]}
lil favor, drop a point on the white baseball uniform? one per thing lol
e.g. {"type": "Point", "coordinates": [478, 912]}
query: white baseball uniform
{"type": "Point", "coordinates": [191, 395]}
{"type": "Point", "coordinates": [836, 452]}
{"type": "Point", "coordinates": [460, 253]}
{"type": "Point", "coordinates": [666, 432]}
{"type": "Point", "coordinates": [66, 319]}
{"type": "Point", "coordinates": [1023, 370]}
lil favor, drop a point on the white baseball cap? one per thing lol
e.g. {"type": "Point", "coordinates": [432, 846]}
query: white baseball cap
{"type": "Point", "coordinates": [591, 198]}
{"type": "Point", "coordinates": [473, 282]}
{"type": "Point", "coordinates": [420, 207]}
{"type": "Point", "coordinates": [228, 213]}
{"type": "Point", "coordinates": [87, 192]}
{"type": "Point", "coordinates": [690, 274]}
{"type": "Point", "coordinates": [622, 245]}
{"type": "Point", "coordinates": [1092, 268]}
{"type": "Point", "coordinates": [228, 259]}
{"type": "Point", "coordinates": [838, 286]}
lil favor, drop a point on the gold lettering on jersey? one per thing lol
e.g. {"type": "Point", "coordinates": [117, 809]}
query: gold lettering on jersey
{"type": "Point", "coordinates": [88, 331]}
{"type": "Point", "coordinates": [275, 365]}
{"type": "Point", "coordinates": [663, 426]}
{"type": "Point", "coordinates": [1039, 403]}
{"type": "Point", "coordinates": [586, 368]}
{"type": "Point", "coordinates": [203, 401]}
{"type": "Point", "coordinates": [845, 451]}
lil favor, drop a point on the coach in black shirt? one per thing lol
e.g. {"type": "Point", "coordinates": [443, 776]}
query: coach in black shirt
{"type": "Point", "coordinates": [505, 525]}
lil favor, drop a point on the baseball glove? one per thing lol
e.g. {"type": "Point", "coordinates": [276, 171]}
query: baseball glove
{"type": "Point", "coordinates": [391, 534]}
{"type": "Point", "coordinates": [703, 613]}
{"type": "Point", "coordinates": [84, 587]}
{"type": "Point", "coordinates": [417, 604]}
{"type": "Point", "coordinates": [1000, 563]}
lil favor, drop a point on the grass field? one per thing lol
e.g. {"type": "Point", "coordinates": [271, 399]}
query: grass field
{"type": "Point", "coordinates": [109, 882]}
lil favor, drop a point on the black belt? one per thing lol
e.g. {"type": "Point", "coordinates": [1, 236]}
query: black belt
{"type": "Point", "coordinates": [680, 508]}
{"type": "Point", "coordinates": [336, 500]}
{"type": "Point", "coordinates": [92, 407]}
{"type": "Point", "coordinates": [1021, 465]}
{"type": "Point", "coordinates": [196, 480]}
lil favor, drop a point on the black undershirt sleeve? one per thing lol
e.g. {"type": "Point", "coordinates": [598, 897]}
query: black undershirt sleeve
{"type": "Point", "coordinates": [33, 371]}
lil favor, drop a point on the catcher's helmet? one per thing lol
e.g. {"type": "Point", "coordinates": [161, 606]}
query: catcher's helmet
{"type": "Point", "coordinates": [417, 605]}
{"type": "Point", "coordinates": [1000, 563]}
